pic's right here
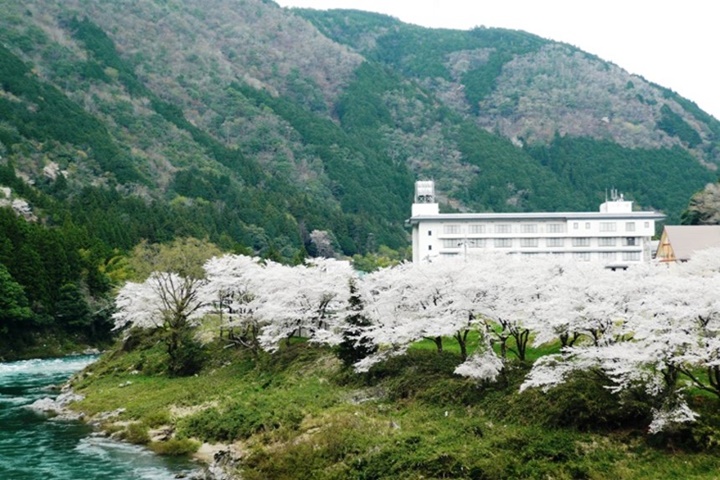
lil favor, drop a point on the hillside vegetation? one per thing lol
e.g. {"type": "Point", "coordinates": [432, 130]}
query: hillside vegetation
{"type": "Point", "coordinates": [298, 414]}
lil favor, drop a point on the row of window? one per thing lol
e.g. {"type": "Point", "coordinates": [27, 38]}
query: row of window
{"type": "Point", "coordinates": [502, 228]}
{"type": "Point", "coordinates": [533, 228]}
{"type": "Point", "coordinates": [535, 242]}
{"type": "Point", "coordinates": [605, 257]}
{"type": "Point", "coordinates": [608, 256]}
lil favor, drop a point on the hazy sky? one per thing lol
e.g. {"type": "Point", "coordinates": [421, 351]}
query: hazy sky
{"type": "Point", "coordinates": [672, 43]}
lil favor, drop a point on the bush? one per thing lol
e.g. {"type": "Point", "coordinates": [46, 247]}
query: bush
{"type": "Point", "coordinates": [701, 435]}
{"type": "Point", "coordinates": [157, 418]}
{"type": "Point", "coordinates": [582, 403]}
{"type": "Point", "coordinates": [308, 456]}
{"type": "Point", "coordinates": [189, 358]}
{"type": "Point", "coordinates": [136, 433]}
{"type": "Point", "coordinates": [426, 376]}
{"type": "Point", "coordinates": [240, 421]}
{"type": "Point", "coordinates": [175, 447]}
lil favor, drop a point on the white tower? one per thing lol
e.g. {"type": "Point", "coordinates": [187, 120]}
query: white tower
{"type": "Point", "coordinates": [424, 203]}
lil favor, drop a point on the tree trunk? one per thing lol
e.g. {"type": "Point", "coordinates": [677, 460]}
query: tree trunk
{"type": "Point", "coordinates": [438, 343]}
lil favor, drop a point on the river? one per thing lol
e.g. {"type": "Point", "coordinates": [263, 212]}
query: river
{"type": "Point", "coordinates": [33, 447]}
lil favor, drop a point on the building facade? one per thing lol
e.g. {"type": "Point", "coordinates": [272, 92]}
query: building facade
{"type": "Point", "coordinates": [615, 235]}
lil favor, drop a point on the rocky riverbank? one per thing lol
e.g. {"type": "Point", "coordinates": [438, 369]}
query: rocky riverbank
{"type": "Point", "coordinates": [218, 460]}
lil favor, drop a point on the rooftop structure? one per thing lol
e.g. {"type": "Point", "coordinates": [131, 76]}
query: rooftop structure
{"type": "Point", "coordinates": [615, 235]}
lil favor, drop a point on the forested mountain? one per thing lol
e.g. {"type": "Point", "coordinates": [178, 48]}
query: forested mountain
{"type": "Point", "coordinates": [275, 131]}
{"type": "Point", "coordinates": [585, 122]}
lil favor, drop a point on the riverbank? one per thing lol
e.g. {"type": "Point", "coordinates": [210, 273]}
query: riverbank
{"type": "Point", "coordinates": [53, 443]}
{"type": "Point", "coordinates": [213, 458]}
{"type": "Point", "coordinates": [49, 345]}
{"type": "Point", "coordinates": [298, 414]}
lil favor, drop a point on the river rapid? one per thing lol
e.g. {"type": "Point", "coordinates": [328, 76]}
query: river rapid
{"type": "Point", "coordinates": [34, 447]}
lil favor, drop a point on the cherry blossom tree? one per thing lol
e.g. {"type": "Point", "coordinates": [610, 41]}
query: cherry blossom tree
{"type": "Point", "coordinates": [500, 297]}
{"type": "Point", "coordinates": [387, 330]}
{"type": "Point", "coordinates": [303, 300]}
{"type": "Point", "coordinates": [655, 327]}
{"type": "Point", "coordinates": [168, 302]}
{"type": "Point", "coordinates": [660, 327]}
{"type": "Point", "coordinates": [171, 298]}
{"type": "Point", "coordinates": [233, 281]}
{"type": "Point", "coordinates": [410, 302]}
{"type": "Point", "coordinates": [560, 304]}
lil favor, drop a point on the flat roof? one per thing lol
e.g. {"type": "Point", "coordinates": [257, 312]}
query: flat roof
{"type": "Point", "coordinates": [535, 216]}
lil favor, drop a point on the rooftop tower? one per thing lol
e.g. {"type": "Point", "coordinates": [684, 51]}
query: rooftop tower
{"type": "Point", "coordinates": [425, 203]}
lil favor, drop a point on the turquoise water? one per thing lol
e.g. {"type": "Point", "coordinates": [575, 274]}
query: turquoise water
{"type": "Point", "coordinates": [34, 447]}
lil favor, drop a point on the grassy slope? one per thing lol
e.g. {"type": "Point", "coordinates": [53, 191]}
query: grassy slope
{"type": "Point", "coordinates": [298, 415]}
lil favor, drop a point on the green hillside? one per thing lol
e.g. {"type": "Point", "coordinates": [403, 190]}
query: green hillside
{"type": "Point", "coordinates": [299, 414]}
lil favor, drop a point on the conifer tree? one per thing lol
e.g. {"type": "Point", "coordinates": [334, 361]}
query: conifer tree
{"type": "Point", "coordinates": [354, 345]}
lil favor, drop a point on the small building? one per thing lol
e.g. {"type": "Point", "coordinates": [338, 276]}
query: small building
{"type": "Point", "coordinates": [679, 242]}
{"type": "Point", "coordinates": [615, 235]}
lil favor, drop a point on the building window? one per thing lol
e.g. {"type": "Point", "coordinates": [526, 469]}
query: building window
{"type": "Point", "coordinates": [608, 256]}
{"type": "Point", "coordinates": [629, 226]}
{"type": "Point", "coordinates": [555, 228]}
{"type": "Point", "coordinates": [429, 233]}
{"type": "Point", "coordinates": [529, 242]}
{"type": "Point", "coordinates": [608, 226]}
{"type": "Point", "coordinates": [576, 225]}
{"type": "Point", "coordinates": [503, 228]}
{"type": "Point", "coordinates": [476, 228]}
{"type": "Point", "coordinates": [528, 228]}
{"type": "Point", "coordinates": [429, 247]}
{"type": "Point", "coordinates": [451, 243]}
{"type": "Point", "coordinates": [451, 229]}
{"type": "Point", "coordinates": [606, 241]}
{"type": "Point", "coordinates": [582, 256]}
{"type": "Point", "coordinates": [629, 242]}
{"type": "Point", "coordinates": [647, 224]}
{"type": "Point", "coordinates": [581, 242]}
{"type": "Point", "coordinates": [475, 242]}
{"type": "Point", "coordinates": [502, 242]}
{"type": "Point", "coordinates": [631, 256]}
{"type": "Point", "coordinates": [555, 242]}
{"type": "Point", "coordinates": [587, 225]}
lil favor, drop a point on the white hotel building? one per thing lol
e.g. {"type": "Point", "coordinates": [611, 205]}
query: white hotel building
{"type": "Point", "coordinates": [616, 235]}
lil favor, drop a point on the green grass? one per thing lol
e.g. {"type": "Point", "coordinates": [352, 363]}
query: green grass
{"type": "Point", "coordinates": [451, 345]}
{"type": "Point", "coordinates": [297, 415]}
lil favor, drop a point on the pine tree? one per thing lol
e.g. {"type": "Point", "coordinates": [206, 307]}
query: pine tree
{"type": "Point", "coordinates": [354, 347]}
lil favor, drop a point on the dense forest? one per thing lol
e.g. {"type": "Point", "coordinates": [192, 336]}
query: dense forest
{"type": "Point", "coordinates": [292, 134]}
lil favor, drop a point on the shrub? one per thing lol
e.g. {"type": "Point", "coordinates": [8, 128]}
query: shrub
{"type": "Point", "coordinates": [175, 447]}
{"type": "Point", "coordinates": [157, 418]}
{"type": "Point", "coordinates": [189, 358]}
{"type": "Point", "coordinates": [240, 421]}
{"type": "Point", "coordinates": [583, 403]}
{"type": "Point", "coordinates": [136, 433]}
